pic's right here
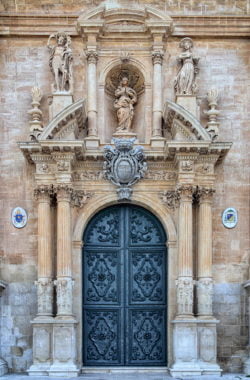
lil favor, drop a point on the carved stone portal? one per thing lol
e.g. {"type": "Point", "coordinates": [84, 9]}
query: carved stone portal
{"type": "Point", "coordinates": [124, 165]}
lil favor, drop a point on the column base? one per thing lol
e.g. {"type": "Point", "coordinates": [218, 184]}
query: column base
{"type": "Point", "coordinates": [60, 100]}
{"type": "Point", "coordinates": [63, 370]}
{"type": "Point", "coordinates": [189, 102]}
{"type": "Point", "coordinates": [92, 142]}
{"type": "Point", "coordinates": [157, 142]}
{"type": "Point", "coordinates": [195, 347]}
{"type": "Point", "coordinates": [54, 348]}
{"type": "Point", "coordinates": [38, 369]}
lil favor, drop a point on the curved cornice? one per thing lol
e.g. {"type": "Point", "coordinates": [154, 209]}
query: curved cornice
{"type": "Point", "coordinates": [173, 111]}
{"type": "Point", "coordinates": [74, 111]}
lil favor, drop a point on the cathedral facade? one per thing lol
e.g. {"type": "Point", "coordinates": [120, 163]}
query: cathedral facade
{"type": "Point", "coordinates": [125, 187]}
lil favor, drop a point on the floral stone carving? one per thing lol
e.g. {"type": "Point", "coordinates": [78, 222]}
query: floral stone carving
{"type": "Point", "coordinates": [124, 165]}
{"type": "Point", "coordinates": [36, 126]}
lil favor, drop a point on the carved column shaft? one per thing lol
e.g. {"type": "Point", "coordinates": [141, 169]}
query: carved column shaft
{"type": "Point", "coordinates": [157, 57]}
{"type": "Point", "coordinates": [45, 263]}
{"type": "Point", "coordinates": [92, 93]}
{"type": "Point", "coordinates": [185, 257]}
{"type": "Point", "coordinates": [64, 281]}
{"type": "Point", "coordinates": [205, 283]}
{"type": "Point", "coordinates": [64, 233]}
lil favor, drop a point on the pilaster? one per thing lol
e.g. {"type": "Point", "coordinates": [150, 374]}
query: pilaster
{"type": "Point", "coordinates": [185, 255]}
{"type": "Point", "coordinates": [205, 282]}
{"type": "Point", "coordinates": [44, 283]}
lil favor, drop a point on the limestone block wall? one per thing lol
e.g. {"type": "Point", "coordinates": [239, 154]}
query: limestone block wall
{"type": "Point", "coordinates": [224, 63]}
{"type": "Point", "coordinates": [171, 6]}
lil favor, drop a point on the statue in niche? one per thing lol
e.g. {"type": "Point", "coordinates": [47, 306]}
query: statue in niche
{"type": "Point", "coordinates": [126, 97]}
{"type": "Point", "coordinates": [60, 62]}
{"type": "Point", "coordinates": [185, 83]}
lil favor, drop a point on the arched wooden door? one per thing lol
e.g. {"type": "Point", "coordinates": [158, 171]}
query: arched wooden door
{"type": "Point", "coordinates": [124, 289]}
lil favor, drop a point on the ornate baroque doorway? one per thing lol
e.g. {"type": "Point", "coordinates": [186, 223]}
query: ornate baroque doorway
{"type": "Point", "coordinates": [124, 289]}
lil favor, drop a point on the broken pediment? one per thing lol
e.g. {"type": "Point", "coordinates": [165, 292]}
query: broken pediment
{"type": "Point", "coordinates": [181, 125]}
{"type": "Point", "coordinates": [112, 18]}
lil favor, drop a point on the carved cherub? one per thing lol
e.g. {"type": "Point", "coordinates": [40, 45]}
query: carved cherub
{"type": "Point", "coordinates": [60, 61]}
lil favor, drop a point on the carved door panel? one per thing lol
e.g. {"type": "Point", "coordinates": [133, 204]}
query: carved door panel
{"type": "Point", "coordinates": [124, 289]}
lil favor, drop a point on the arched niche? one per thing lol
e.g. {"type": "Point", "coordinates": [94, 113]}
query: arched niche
{"type": "Point", "coordinates": [109, 80]}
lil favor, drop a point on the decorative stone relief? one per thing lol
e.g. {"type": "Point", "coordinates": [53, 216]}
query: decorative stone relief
{"type": "Point", "coordinates": [207, 338]}
{"type": "Point", "coordinates": [63, 166]}
{"type": "Point", "coordinates": [36, 126]}
{"type": "Point", "coordinates": [204, 194]}
{"type": "Point", "coordinates": [184, 295]}
{"type": "Point", "coordinates": [124, 165]}
{"type": "Point", "coordinates": [204, 168]}
{"type": "Point", "coordinates": [79, 198]}
{"type": "Point", "coordinates": [186, 192]}
{"type": "Point", "coordinates": [205, 296]}
{"type": "Point", "coordinates": [160, 175]}
{"type": "Point", "coordinates": [213, 125]}
{"type": "Point", "coordinates": [187, 166]}
{"type": "Point", "coordinates": [60, 62]}
{"type": "Point", "coordinates": [64, 288]}
{"type": "Point", "coordinates": [114, 78]}
{"type": "Point", "coordinates": [126, 98]}
{"type": "Point", "coordinates": [157, 57]}
{"type": "Point", "coordinates": [64, 192]}
{"type": "Point", "coordinates": [170, 198]}
{"type": "Point", "coordinates": [43, 168]}
{"type": "Point", "coordinates": [185, 81]}
{"type": "Point", "coordinates": [89, 175]}
{"type": "Point", "coordinates": [92, 56]}
{"type": "Point", "coordinates": [41, 346]}
{"type": "Point", "coordinates": [44, 296]}
{"type": "Point", "coordinates": [43, 192]}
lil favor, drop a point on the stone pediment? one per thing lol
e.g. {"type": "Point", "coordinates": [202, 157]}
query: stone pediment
{"type": "Point", "coordinates": [182, 125]}
{"type": "Point", "coordinates": [111, 18]}
{"type": "Point", "coordinates": [69, 124]}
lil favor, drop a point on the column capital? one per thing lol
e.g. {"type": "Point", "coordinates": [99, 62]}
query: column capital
{"type": "Point", "coordinates": [64, 192]}
{"type": "Point", "coordinates": [43, 193]}
{"type": "Point", "coordinates": [204, 194]}
{"type": "Point", "coordinates": [92, 56]}
{"type": "Point", "coordinates": [185, 192]}
{"type": "Point", "coordinates": [157, 57]}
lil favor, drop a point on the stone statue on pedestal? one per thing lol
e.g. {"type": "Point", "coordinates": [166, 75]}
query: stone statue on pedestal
{"type": "Point", "coordinates": [124, 104]}
{"type": "Point", "coordinates": [60, 62]}
{"type": "Point", "coordinates": [185, 83]}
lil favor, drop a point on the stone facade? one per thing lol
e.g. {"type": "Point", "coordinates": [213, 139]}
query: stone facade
{"type": "Point", "coordinates": [52, 165]}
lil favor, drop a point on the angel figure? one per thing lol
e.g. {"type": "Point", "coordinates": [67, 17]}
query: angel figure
{"type": "Point", "coordinates": [184, 83]}
{"type": "Point", "coordinates": [60, 61]}
{"type": "Point", "coordinates": [126, 98]}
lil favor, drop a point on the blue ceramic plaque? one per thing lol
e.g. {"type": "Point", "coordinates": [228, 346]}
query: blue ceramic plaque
{"type": "Point", "coordinates": [230, 217]}
{"type": "Point", "coordinates": [19, 217]}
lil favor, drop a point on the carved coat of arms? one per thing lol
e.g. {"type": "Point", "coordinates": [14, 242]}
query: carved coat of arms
{"type": "Point", "coordinates": [124, 165]}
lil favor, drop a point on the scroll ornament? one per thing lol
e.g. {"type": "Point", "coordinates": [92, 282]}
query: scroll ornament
{"type": "Point", "coordinates": [124, 165]}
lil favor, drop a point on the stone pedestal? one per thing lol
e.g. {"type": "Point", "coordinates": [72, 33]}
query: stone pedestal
{"type": "Point", "coordinates": [194, 344]}
{"type": "Point", "coordinates": [189, 102]}
{"type": "Point", "coordinates": [54, 351]}
{"type": "Point", "coordinates": [59, 101]}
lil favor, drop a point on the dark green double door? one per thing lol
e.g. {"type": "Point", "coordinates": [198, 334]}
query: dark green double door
{"type": "Point", "coordinates": [124, 289]}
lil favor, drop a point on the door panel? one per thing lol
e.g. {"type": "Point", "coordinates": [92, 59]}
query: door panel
{"type": "Point", "coordinates": [124, 288]}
